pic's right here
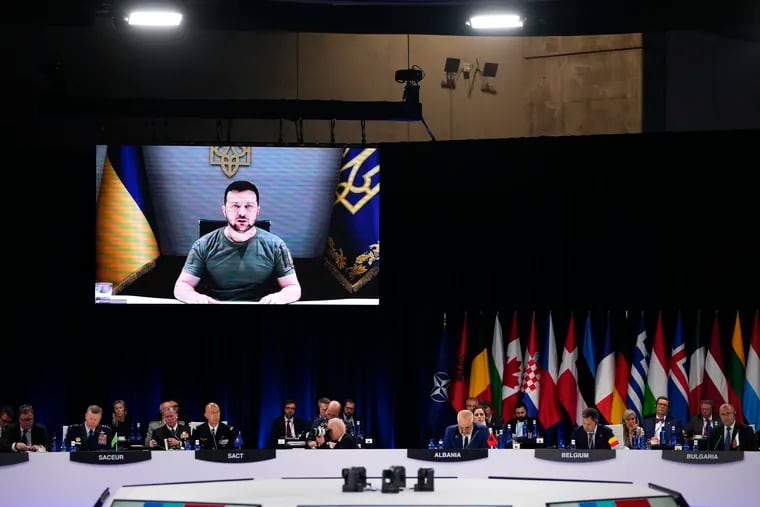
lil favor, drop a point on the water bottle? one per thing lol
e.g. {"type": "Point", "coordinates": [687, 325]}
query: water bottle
{"type": "Point", "coordinates": [197, 445]}
{"type": "Point", "coordinates": [508, 436]}
{"type": "Point", "coordinates": [440, 443]}
{"type": "Point", "coordinates": [188, 446]}
{"type": "Point", "coordinates": [534, 430]}
{"type": "Point", "coordinates": [635, 440]}
{"type": "Point", "coordinates": [642, 441]}
{"type": "Point", "coordinates": [431, 444]}
{"type": "Point", "coordinates": [238, 443]}
{"type": "Point", "coordinates": [358, 434]}
{"type": "Point", "coordinates": [673, 436]}
{"type": "Point", "coordinates": [572, 443]}
{"type": "Point", "coordinates": [560, 440]}
{"type": "Point", "coordinates": [686, 445]}
{"type": "Point", "coordinates": [54, 443]}
{"type": "Point", "coordinates": [138, 433]}
{"type": "Point", "coordinates": [500, 438]}
{"type": "Point", "coordinates": [662, 435]}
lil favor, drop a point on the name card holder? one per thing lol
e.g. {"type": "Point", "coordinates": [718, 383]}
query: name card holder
{"type": "Point", "coordinates": [235, 455]}
{"type": "Point", "coordinates": [703, 457]}
{"type": "Point", "coordinates": [575, 455]}
{"type": "Point", "coordinates": [109, 457]}
{"type": "Point", "coordinates": [13, 458]}
{"type": "Point", "coordinates": [446, 454]}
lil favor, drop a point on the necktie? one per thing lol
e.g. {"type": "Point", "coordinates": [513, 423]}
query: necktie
{"type": "Point", "coordinates": [591, 440]}
{"type": "Point", "coordinates": [704, 428]}
{"type": "Point", "coordinates": [25, 437]}
{"type": "Point", "coordinates": [288, 430]}
{"type": "Point", "coordinates": [727, 444]}
{"type": "Point", "coordinates": [466, 441]}
{"type": "Point", "coordinates": [213, 432]}
{"type": "Point", "coordinates": [89, 434]}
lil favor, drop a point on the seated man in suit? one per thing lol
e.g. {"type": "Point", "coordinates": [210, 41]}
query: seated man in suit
{"type": "Point", "coordinates": [522, 427]}
{"type": "Point", "coordinates": [662, 420]}
{"type": "Point", "coordinates": [172, 435]}
{"type": "Point", "coordinates": [90, 435]}
{"type": "Point", "coordinates": [287, 426]}
{"type": "Point", "coordinates": [353, 422]}
{"type": "Point", "coordinates": [591, 434]}
{"type": "Point", "coordinates": [213, 434]}
{"type": "Point", "coordinates": [26, 435]}
{"type": "Point", "coordinates": [732, 435]}
{"type": "Point", "coordinates": [702, 423]}
{"type": "Point", "coordinates": [152, 425]}
{"type": "Point", "coordinates": [466, 433]}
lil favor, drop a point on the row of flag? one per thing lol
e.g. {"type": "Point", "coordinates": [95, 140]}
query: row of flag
{"type": "Point", "coordinates": [126, 241]}
{"type": "Point", "coordinates": [626, 369]}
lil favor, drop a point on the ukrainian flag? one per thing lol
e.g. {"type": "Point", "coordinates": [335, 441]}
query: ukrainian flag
{"type": "Point", "coordinates": [125, 244]}
{"type": "Point", "coordinates": [353, 244]}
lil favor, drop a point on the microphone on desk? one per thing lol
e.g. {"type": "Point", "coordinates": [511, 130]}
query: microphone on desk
{"type": "Point", "coordinates": [103, 496]}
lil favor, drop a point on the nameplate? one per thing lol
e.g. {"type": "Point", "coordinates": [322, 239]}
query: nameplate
{"type": "Point", "coordinates": [235, 455]}
{"type": "Point", "coordinates": [109, 457]}
{"type": "Point", "coordinates": [703, 457]}
{"type": "Point", "coordinates": [575, 455]}
{"type": "Point", "coordinates": [12, 458]}
{"type": "Point", "coordinates": [446, 454]}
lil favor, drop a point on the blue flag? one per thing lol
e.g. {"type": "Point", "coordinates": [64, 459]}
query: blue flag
{"type": "Point", "coordinates": [353, 244]}
{"type": "Point", "coordinates": [442, 412]}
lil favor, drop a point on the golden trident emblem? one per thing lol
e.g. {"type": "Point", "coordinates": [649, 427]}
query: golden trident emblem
{"type": "Point", "coordinates": [229, 158]}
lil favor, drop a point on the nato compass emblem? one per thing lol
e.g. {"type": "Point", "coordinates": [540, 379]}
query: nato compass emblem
{"type": "Point", "coordinates": [440, 392]}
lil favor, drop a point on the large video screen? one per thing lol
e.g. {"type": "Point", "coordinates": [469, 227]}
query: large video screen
{"type": "Point", "coordinates": [318, 217]}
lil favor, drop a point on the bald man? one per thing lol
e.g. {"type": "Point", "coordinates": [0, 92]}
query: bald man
{"type": "Point", "coordinates": [466, 433]}
{"type": "Point", "coordinates": [732, 435]}
{"type": "Point", "coordinates": [213, 434]}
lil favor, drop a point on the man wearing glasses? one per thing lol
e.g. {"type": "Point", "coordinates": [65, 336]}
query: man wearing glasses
{"type": "Point", "coordinates": [661, 420]}
{"type": "Point", "coordinates": [26, 435]}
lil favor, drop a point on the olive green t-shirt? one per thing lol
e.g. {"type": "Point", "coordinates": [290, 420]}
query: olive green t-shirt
{"type": "Point", "coordinates": [239, 271]}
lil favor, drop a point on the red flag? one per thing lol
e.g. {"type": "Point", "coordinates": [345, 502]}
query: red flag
{"type": "Point", "coordinates": [512, 372]}
{"type": "Point", "coordinates": [567, 385]}
{"type": "Point", "coordinates": [531, 371]}
{"type": "Point", "coordinates": [549, 412]}
{"type": "Point", "coordinates": [492, 440]}
{"type": "Point", "coordinates": [459, 381]}
{"type": "Point", "coordinates": [715, 386]}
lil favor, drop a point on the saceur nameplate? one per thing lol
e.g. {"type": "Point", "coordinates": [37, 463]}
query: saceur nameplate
{"type": "Point", "coordinates": [109, 457]}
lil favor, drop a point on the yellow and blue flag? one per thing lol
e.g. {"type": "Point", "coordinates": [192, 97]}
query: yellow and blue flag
{"type": "Point", "coordinates": [125, 243]}
{"type": "Point", "coordinates": [353, 243]}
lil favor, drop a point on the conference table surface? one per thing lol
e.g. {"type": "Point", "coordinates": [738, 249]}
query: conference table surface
{"type": "Point", "coordinates": [51, 479]}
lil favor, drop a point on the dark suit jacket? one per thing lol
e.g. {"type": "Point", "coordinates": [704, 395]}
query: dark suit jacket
{"type": "Point", "coordinates": [78, 433]}
{"type": "Point", "coordinates": [345, 442]}
{"type": "Point", "coordinates": [351, 426]}
{"type": "Point", "coordinates": [531, 421]}
{"type": "Point", "coordinates": [278, 429]}
{"type": "Point", "coordinates": [601, 437]}
{"type": "Point", "coordinates": [650, 423]}
{"type": "Point", "coordinates": [747, 440]}
{"type": "Point", "coordinates": [452, 439]}
{"type": "Point", "coordinates": [12, 434]}
{"type": "Point", "coordinates": [162, 432]}
{"type": "Point", "coordinates": [695, 425]}
{"type": "Point", "coordinates": [223, 440]}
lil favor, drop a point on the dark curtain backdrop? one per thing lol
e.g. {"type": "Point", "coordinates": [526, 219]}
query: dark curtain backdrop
{"type": "Point", "coordinates": [630, 222]}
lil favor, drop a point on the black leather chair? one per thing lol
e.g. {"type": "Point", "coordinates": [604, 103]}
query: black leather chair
{"type": "Point", "coordinates": [206, 226]}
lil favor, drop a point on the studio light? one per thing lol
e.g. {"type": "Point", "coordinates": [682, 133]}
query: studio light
{"type": "Point", "coordinates": [495, 21]}
{"type": "Point", "coordinates": [412, 77]}
{"type": "Point", "coordinates": [154, 18]}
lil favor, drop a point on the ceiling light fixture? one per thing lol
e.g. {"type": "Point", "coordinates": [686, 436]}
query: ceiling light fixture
{"type": "Point", "coordinates": [154, 18]}
{"type": "Point", "coordinates": [495, 21]}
